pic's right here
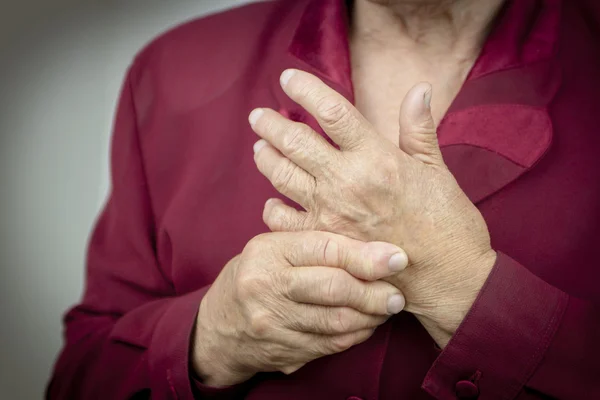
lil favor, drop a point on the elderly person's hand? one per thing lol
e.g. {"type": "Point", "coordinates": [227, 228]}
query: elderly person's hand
{"type": "Point", "coordinates": [370, 189]}
{"type": "Point", "coordinates": [290, 298]}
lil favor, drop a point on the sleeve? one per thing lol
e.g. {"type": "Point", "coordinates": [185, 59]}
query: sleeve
{"type": "Point", "coordinates": [522, 339]}
{"type": "Point", "coordinates": [130, 335]}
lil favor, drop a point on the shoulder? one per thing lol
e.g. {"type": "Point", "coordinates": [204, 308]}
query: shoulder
{"type": "Point", "coordinates": [212, 35]}
{"type": "Point", "coordinates": [195, 62]}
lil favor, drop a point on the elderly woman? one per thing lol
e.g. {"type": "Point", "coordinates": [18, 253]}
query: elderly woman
{"type": "Point", "coordinates": [432, 202]}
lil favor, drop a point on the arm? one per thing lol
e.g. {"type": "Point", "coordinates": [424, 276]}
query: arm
{"type": "Point", "coordinates": [130, 334]}
{"type": "Point", "coordinates": [270, 309]}
{"type": "Point", "coordinates": [502, 328]}
{"type": "Point", "coordinates": [522, 337]}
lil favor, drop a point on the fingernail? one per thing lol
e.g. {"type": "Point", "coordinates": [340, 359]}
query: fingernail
{"type": "Point", "coordinates": [286, 76]}
{"type": "Point", "coordinates": [259, 145]}
{"type": "Point", "coordinates": [398, 262]}
{"type": "Point", "coordinates": [255, 115]}
{"type": "Point", "coordinates": [395, 304]}
{"type": "Point", "coordinates": [427, 97]}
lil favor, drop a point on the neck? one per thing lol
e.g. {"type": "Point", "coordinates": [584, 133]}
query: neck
{"type": "Point", "coordinates": [456, 26]}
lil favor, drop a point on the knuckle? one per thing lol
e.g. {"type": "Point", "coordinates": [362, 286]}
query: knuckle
{"type": "Point", "coordinates": [341, 343]}
{"type": "Point", "coordinates": [286, 282]}
{"type": "Point", "coordinates": [331, 251]}
{"type": "Point", "coordinates": [294, 289]}
{"type": "Point", "coordinates": [308, 91]}
{"type": "Point", "coordinates": [423, 127]}
{"type": "Point", "coordinates": [332, 290]}
{"type": "Point", "coordinates": [256, 245]}
{"type": "Point", "coordinates": [260, 323]}
{"type": "Point", "coordinates": [269, 126]}
{"type": "Point", "coordinates": [316, 246]}
{"type": "Point", "coordinates": [388, 165]}
{"type": "Point", "coordinates": [332, 111]}
{"type": "Point", "coordinates": [368, 270]}
{"type": "Point", "coordinates": [282, 176]}
{"type": "Point", "coordinates": [295, 139]}
{"type": "Point", "coordinates": [388, 175]}
{"type": "Point", "coordinates": [368, 301]}
{"type": "Point", "coordinates": [431, 146]}
{"type": "Point", "coordinates": [321, 321]}
{"type": "Point", "coordinates": [341, 320]}
{"type": "Point", "coordinates": [338, 288]}
{"type": "Point", "coordinates": [248, 284]}
{"type": "Point", "coordinates": [424, 136]}
{"type": "Point", "coordinates": [338, 255]}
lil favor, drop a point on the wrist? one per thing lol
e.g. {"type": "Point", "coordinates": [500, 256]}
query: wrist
{"type": "Point", "coordinates": [439, 335]}
{"type": "Point", "coordinates": [213, 362]}
{"type": "Point", "coordinates": [457, 302]}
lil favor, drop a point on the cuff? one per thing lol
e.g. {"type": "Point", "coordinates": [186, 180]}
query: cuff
{"type": "Point", "coordinates": [502, 339]}
{"type": "Point", "coordinates": [168, 353]}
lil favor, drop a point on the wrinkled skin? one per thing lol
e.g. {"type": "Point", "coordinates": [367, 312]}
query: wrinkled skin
{"type": "Point", "coordinates": [290, 298]}
{"type": "Point", "coordinates": [370, 189]}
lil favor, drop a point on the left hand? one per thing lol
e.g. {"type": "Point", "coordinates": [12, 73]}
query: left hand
{"type": "Point", "coordinates": [372, 190]}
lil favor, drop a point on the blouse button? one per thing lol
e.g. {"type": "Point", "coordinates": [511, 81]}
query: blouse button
{"type": "Point", "coordinates": [466, 390]}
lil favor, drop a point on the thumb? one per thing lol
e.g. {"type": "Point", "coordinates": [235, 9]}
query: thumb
{"type": "Point", "coordinates": [418, 137]}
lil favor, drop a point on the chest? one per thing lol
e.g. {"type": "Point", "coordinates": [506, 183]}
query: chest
{"type": "Point", "coordinates": [208, 195]}
{"type": "Point", "coordinates": [382, 81]}
{"type": "Point", "coordinates": [214, 203]}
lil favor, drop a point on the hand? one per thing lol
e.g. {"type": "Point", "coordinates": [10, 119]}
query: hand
{"type": "Point", "coordinates": [290, 298]}
{"type": "Point", "coordinates": [370, 189]}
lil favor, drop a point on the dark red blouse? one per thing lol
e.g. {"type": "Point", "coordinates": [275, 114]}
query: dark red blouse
{"type": "Point", "coordinates": [521, 138]}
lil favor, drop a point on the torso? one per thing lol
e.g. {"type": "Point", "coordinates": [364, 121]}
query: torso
{"type": "Point", "coordinates": [207, 195]}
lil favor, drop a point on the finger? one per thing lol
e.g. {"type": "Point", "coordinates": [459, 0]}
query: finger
{"type": "Point", "coordinates": [368, 261]}
{"type": "Point", "coordinates": [336, 344]}
{"type": "Point", "coordinates": [289, 179]}
{"type": "Point", "coordinates": [337, 116]}
{"type": "Point", "coordinates": [328, 320]}
{"type": "Point", "coordinates": [295, 140]}
{"type": "Point", "coordinates": [418, 136]}
{"type": "Point", "coordinates": [280, 217]}
{"type": "Point", "coordinates": [309, 346]}
{"type": "Point", "coordinates": [336, 288]}
{"type": "Point", "coordinates": [290, 369]}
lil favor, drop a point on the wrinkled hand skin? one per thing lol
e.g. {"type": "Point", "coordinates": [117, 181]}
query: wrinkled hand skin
{"type": "Point", "coordinates": [290, 298]}
{"type": "Point", "coordinates": [370, 189]}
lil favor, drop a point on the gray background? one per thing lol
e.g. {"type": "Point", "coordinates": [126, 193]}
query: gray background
{"type": "Point", "coordinates": [61, 66]}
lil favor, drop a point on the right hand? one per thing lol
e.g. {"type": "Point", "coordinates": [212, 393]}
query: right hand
{"type": "Point", "coordinates": [289, 298]}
